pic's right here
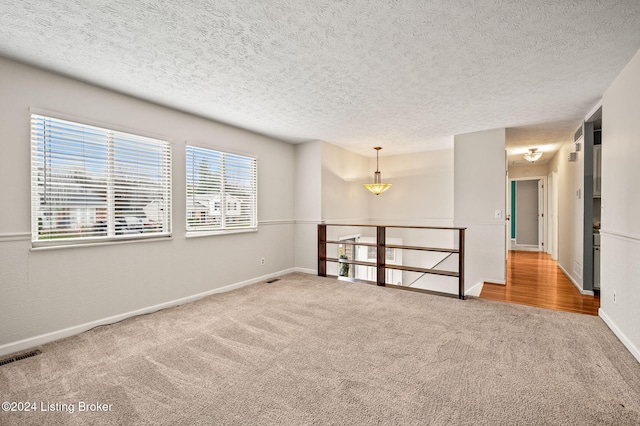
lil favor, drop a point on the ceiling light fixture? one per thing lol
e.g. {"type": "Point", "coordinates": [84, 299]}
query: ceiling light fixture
{"type": "Point", "coordinates": [532, 155]}
{"type": "Point", "coordinates": [377, 187]}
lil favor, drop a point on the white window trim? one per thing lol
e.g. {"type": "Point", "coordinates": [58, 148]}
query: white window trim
{"type": "Point", "coordinates": [199, 233]}
{"type": "Point", "coordinates": [100, 241]}
{"type": "Point", "coordinates": [98, 123]}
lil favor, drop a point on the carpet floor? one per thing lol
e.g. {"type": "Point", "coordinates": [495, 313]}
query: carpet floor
{"type": "Point", "coordinates": [307, 350]}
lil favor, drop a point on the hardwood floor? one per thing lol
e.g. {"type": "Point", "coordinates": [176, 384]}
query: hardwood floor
{"type": "Point", "coordinates": [534, 279]}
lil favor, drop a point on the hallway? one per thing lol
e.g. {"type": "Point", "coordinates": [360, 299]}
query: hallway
{"type": "Point", "coordinates": [534, 279]}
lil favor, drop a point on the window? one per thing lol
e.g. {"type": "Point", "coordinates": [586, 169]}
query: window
{"type": "Point", "coordinates": [372, 254]}
{"type": "Point", "coordinates": [221, 191]}
{"type": "Point", "coordinates": [90, 183]}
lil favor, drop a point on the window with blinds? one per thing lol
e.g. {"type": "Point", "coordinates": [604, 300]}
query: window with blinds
{"type": "Point", "coordinates": [90, 183]}
{"type": "Point", "coordinates": [222, 191]}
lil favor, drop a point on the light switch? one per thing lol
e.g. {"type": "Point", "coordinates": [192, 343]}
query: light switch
{"type": "Point", "coordinates": [498, 214]}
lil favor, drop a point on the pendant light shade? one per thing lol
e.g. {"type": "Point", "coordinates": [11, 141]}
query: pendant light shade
{"type": "Point", "coordinates": [377, 187]}
{"type": "Point", "coordinates": [532, 155]}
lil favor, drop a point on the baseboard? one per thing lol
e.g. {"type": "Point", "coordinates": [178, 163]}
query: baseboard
{"type": "Point", "coordinates": [585, 292]}
{"type": "Point", "coordinates": [524, 247]}
{"type": "Point", "coordinates": [31, 342]}
{"type": "Point", "coordinates": [620, 335]}
{"type": "Point", "coordinates": [475, 290]}
{"type": "Point", "coordinates": [305, 271]}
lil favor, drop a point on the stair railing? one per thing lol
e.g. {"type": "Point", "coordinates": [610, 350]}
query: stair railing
{"type": "Point", "coordinates": [381, 247]}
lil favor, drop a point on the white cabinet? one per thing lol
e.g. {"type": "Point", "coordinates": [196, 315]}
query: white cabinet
{"type": "Point", "coordinates": [597, 170]}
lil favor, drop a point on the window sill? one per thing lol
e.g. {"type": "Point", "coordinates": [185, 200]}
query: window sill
{"type": "Point", "coordinates": [43, 246]}
{"type": "Point", "coordinates": [198, 234]}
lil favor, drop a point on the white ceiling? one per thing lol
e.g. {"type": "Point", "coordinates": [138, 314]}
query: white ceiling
{"type": "Point", "coordinates": [405, 75]}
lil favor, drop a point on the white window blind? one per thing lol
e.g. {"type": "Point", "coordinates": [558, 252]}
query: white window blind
{"type": "Point", "coordinates": [221, 190]}
{"type": "Point", "coordinates": [90, 183]}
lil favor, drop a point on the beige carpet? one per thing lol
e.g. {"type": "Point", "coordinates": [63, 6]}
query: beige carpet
{"type": "Point", "coordinates": [309, 350]}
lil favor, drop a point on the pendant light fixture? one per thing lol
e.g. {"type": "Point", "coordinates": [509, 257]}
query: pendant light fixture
{"type": "Point", "coordinates": [532, 155]}
{"type": "Point", "coordinates": [377, 187]}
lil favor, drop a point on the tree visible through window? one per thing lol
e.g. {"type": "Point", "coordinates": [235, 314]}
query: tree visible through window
{"type": "Point", "coordinates": [91, 183]}
{"type": "Point", "coordinates": [221, 190]}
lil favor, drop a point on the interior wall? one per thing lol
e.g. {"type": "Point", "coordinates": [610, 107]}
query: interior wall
{"type": "Point", "coordinates": [620, 207]}
{"type": "Point", "coordinates": [344, 200]}
{"type": "Point", "coordinates": [570, 211]}
{"type": "Point", "coordinates": [47, 294]}
{"type": "Point", "coordinates": [308, 203]}
{"type": "Point", "coordinates": [422, 191]}
{"type": "Point", "coordinates": [479, 192]}
{"type": "Point", "coordinates": [529, 171]}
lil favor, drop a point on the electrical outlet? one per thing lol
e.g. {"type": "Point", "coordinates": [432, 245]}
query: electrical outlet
{"type": "Point", "coordinates": [615, 299]}
{"type": "Point", "coordinates": [262, 261]}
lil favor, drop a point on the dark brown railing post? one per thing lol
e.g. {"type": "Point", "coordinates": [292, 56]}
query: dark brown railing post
{"type": "Point", "coordinates": [322, 250]}
{"type": "Point", "coordinates": [461, 263]}
{"type": "Point", "coordinates": [381, 256]}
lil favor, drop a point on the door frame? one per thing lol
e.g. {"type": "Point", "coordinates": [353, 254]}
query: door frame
{"type": "Point", "coordinates": [552, 217]}
{"type": "Point", "coordinates": [542, 236]}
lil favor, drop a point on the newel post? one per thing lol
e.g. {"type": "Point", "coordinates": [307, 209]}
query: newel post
{"type": "Point", "coordinates": [322, 250]}
{"type": "Point", "coordinates": [461, 263]}
{"type": "Point", "coordinates": [381, 257]}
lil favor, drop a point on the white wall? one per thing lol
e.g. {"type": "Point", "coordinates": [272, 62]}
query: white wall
{"type": "Point", "coordinates": [308, 204]}
{"type": "Point", "coordinates": [51, 293]}
{"type": "Point", "coordinates": [479, 190]}
{"type": "Point", "coordinates": [620, 231]}
{"type": "Point", "coordinates": [344, 200]}
{"type": "Point", "coordinates": [529, 171]}
{"type": "Point", "coordinates": [422, 191]}
{"type": "Point", "coordinates": [570, 211]}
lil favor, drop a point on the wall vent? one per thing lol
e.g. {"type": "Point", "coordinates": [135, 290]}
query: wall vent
{"type": "Point", "coordinates": [578, 134]}
{"type": "Point", "coordinates": [19, 357]}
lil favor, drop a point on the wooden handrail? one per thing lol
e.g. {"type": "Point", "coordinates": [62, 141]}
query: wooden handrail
{"type": "Point", "coordinates": [381, 246]}
{"type": "Point", "coordinates": [446, 228]}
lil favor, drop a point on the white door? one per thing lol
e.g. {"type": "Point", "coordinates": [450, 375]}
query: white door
{"type": "Point", "coordinates": [507, 213]}
{"type": "Point", "coordinates": [540, 215]}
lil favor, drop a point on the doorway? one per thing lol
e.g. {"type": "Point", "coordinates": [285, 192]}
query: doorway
{"type": "Point", "coordinates": [552, 217]}
{"type": "Point", "coordinates": [527, 212]}
{"type": "Point", "coordinates": [349, 250]}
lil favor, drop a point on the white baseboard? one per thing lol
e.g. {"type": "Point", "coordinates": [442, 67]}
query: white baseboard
{"type": "Point", "coordinates": [620, 335]}
{"type": "Point", "coordinates": [477, 289]}
{"type": "Point", "coordinates": [31, 342]}
{"type": "Point", "coordinates": [306, 271]}
{"type": "Point", "coordinates": [524, 247]}
{"type": "Point", "coordinates": [474, 290]}
{"type": "Point", "coordinates": [585, 292]}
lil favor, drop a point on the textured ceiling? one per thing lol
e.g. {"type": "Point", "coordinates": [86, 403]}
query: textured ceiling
{"type": "Point", "coordinates": [405, 75]}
